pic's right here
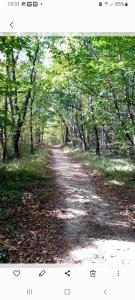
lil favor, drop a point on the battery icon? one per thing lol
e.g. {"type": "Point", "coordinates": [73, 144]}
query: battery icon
{"type": "Point", "coordinates": [35, 4]}
{"type": "Point", "coordinates": [29, 4]}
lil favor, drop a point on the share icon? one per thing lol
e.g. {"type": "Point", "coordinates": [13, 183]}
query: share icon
{"type": "Point", "coordinates": [67, 273]}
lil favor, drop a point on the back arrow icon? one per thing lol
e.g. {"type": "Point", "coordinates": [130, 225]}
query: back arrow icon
{"type": "Point", "coordinates": [67, 273]}
{"type": "Point", "coordinates": [105, 292]}
{"type": "Point", "coordinates": [11, 24]}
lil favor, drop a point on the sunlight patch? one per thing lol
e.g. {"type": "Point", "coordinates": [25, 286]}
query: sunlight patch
{"type": "Point", "coordinates": [116, 182]}
{"type": "Point", "coordinates": [109, 251]}
{"type": "Point", "coordinates": [70, 213]}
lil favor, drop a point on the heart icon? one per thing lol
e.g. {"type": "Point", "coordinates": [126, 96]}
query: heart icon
{"type": "Point", "coordinates": [16, 272]}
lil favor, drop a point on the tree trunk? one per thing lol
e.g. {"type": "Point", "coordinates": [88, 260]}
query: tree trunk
{"type": "Point", "coordinates": [97, 141]}
{"type": "Point", "coordinates": [4, 150]}
{"type": "Point", "coordinates": [66, 135]}
{"type": "Point", "coordinates": [74, 136]}
{"type": "Point", "coordinates": [19, 113]}
{"type": "Point", "coordinates": [94, 127]}
{"type": "Point", "coordinates": [80, 127]}
{"type": "Point", "coordinates": [121, 120]}
{"type": "Point", "coordinates": [4, 139]}
{"type": "Point", "coordinates": [31, 128]}
{"type": "Point", "coordinates": [103, 140]}
{"type": "Point", "coordinates": [84, 138]}
{"type": "Point", "coordinates": [16, 137]}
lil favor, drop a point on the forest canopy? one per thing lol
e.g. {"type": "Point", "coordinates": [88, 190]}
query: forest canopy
{"type": "Point", "coordinates": [70, 90]}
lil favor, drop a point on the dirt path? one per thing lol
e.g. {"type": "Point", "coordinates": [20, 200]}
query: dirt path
{"type": "Point", "coordinates": [92, 227]}
{"type": "Point", "coordinates": [63, 218]}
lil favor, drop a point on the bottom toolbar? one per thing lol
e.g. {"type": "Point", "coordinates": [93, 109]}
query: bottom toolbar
{"type": "Point", "coordinates": [66, 282]}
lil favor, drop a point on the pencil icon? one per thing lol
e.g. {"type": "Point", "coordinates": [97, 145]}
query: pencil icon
{"type": "Point", "coordinates": [41, 273]}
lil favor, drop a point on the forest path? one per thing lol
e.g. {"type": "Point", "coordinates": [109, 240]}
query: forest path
{"type": "Point", "coordinates": [92, 227]}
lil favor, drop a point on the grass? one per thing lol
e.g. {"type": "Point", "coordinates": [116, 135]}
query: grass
{"type": "Point", "coordinates": [117, 171]}
{"type": "Point", "coordinates": [16, 175]}
{"type": "Point", "coordinates": [35, 164]}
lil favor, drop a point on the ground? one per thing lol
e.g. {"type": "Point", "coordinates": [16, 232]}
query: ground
{"type": "Point", "coordinates": [67, 218]}
{"type": "Point", "coordinates": [95, 227]}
